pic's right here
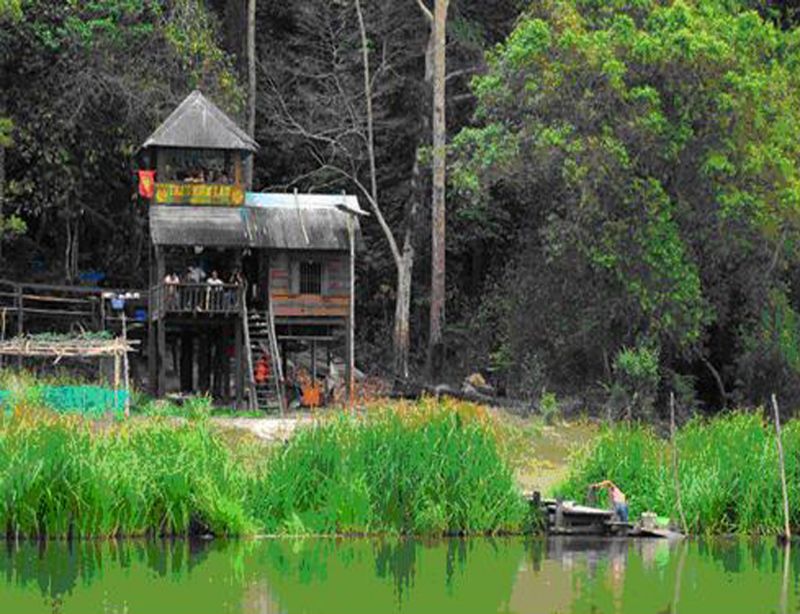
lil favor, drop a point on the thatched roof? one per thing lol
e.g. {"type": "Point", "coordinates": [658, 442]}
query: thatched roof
{"type": "Point", "coordinates": [273, 221]}
{"type": "Point", "coordinates": [199, 123]}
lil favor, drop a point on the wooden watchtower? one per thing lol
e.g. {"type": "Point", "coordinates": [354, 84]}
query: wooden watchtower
{"type": "Point", "coordinates": [239, 279]}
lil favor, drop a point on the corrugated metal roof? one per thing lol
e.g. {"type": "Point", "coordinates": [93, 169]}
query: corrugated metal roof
{"type": "Point", "coordinates": [295, 226]}
{"type": "Point", "coordinates": [197, 122]}
{"type": "Point", "coordinates": [270, 199]}
{"type": "Point", "coordinates": [209, 226]}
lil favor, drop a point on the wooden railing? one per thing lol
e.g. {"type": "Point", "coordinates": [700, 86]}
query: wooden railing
{"type": "Point", "coordinates": [26, 305]}
{"type": "Point", "coordinates": [186, 298]}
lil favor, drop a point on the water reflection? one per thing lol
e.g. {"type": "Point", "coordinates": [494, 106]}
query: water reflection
{"type": "Point", "coordinates": [392, 575]}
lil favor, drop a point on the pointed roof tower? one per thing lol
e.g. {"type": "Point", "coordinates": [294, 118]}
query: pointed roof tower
{"type": "Point", "coordinates": [198, 123]}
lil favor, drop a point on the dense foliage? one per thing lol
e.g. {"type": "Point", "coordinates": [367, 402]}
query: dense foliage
{"type": "Point", "coordinates": [431, 470]}
{"type": "Point", "coordinates": [624, 175]}
{"type": "Point", "coordinates": [84, 83]}
{"type": "Point", "coordinates": [637, 165]}
{"type": "Point", "coordinates": [727, 467]}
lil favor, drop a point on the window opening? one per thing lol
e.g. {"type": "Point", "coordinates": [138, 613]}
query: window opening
{"type": "Point", "coordinates": [310, 278]}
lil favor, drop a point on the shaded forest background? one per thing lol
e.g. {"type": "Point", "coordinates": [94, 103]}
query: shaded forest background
{"type": "Point", "coordinates": [623, 177]}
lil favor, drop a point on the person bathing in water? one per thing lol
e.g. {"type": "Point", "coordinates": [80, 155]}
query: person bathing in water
{"type": "Point", "coordinates": [617, 498]}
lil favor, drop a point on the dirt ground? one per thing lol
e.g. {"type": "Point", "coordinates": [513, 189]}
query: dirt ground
{"type": "Point", "coordinates": [541, 452]}
{"type": "Point", "coordinates": [272, 430]}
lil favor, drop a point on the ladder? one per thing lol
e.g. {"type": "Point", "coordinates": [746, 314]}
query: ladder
{"type": "Point", "coordinates": [261, 346]}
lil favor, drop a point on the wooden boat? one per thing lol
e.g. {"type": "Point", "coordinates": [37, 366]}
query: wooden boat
{"type": "Point", "coordinates": [570, 518]}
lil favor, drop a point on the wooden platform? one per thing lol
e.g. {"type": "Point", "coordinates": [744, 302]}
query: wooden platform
{"type": "Point", "coordinates": [570, 518]}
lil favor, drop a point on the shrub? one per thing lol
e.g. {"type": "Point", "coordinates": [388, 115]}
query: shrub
{"type": "Point", "coordinates": [548, 406]}
{"type": "Point", "coordinates": [636, 377]}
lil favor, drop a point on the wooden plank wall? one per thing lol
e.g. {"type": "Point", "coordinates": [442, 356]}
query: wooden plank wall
{"type": "Point", "coordinates": [284, 276]}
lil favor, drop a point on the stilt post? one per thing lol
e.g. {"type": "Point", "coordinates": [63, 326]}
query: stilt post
{"type": "Point", "coordinates": [675, 478]}
{"type": "Point", "coordinates": [126, 366]}
{"type": "Point", "coordinates": [786, 530]}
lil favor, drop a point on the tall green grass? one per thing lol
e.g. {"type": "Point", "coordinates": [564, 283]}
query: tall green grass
{"type": "Point", "coordinates": [728, 471]}
{"type": "Point", "coordinates": [431, 469]}
{"type": "Point", "coordinates": [69, 477]}
{"type": "Point", "coordinates": [426, 469]}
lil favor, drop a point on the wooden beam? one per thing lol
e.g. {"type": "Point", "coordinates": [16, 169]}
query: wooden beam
{"type": "Point", "coordinates": [348, 368]}
{"type": "Point", "coordinates": [126, 370]}
{"type": "Point", "coordinates": [237, 168]}
{"type": "Point", "coordinates": [57, 312]}
{"type": "Point", "coordinates": [351, 318]}
{"type": "Point", "coordinates": [20, 320]}
{"type": "Point", "coordinates": [187, 362]}
{"type": "Point", "coordinates": [314, 361]}
{"type": "Point", "coordinates": [239, 366]}
{"type": "Point", "coordinates": [204, 363]}
{"type": "Point", "coordinates": [161, 327]}
{"type": "Point", "coordinates": [152, 364]}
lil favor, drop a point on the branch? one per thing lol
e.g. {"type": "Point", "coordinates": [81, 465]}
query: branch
{"type": "Point", "coordinates": [461, 98]}
{"type": "Point", "coordinates": [375, 209]}
{"type": "Point", "coordinates": [717, 378]}
{"type": "Point", "coordinates": [425, 11]}
{"type": "Point", "coordinates": [464, 71]}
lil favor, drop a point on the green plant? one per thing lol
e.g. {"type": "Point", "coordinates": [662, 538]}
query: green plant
{"type": "Point", "coordinates": [548, 406]}
{"type": "Point", "coordinates": [727, 470]}
{"type": "Point", "coordinates": [636, 373]}
{"type": "Point", "coordinates": [431, 468]}
{"type": "Point", "coordinates": [424, 469]}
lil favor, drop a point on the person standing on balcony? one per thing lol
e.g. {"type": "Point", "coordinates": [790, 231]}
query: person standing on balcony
{"type": "Point", "coordinates": [214, 291]}
{"type": "Point", "coordinates": [236, 279]}
{"type": "Point", "coordinates": [171, 283]}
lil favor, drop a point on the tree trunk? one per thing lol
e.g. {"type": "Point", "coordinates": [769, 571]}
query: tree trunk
{"type": "Point", "coordinates": [401, 315]}
{"type": "Point", "coordinates": [2, 173]}
{"type": "Point", "coordinates": [2, 191]}
{"type": "Point", "coordinates": [403, 261]}
{"type": "Point", "coordinates": [437, 314]}
{"type": "Point", "coordinates": [68, 252]}
{"type": "Point", "coordinates": [251, 87]}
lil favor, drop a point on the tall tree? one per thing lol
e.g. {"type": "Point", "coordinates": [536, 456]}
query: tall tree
{"type": "Point", "coordinates": [403, 260]}
{"type": "Point", "coordinates": [251, 85]}
{"type": "Point", "coordinates": [342, 109]}
{"type": "Point", "coordinates": [641, 162]}
{"type": "Point", "coordinates": [438, 47]}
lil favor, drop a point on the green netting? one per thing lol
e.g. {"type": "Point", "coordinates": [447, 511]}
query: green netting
{"type": "Point", "coordinates": [87, 400]}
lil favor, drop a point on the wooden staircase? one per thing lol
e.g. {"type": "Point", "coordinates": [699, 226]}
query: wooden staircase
{"type": "Point", "coordinates": [266, 391]}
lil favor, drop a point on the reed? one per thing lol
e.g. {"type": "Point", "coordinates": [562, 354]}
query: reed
{"type": "Point", "coordinates": [70, 477]}
{"type": "Point", "coordinates": [428, 468]}
{"type": "Point", "coordinates": [727, 466]}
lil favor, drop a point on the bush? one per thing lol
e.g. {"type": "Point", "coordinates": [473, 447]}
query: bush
{"type": "Point", "coordinates": [636, 377]}
{"type": "Point", "coordinates": [66, 476]}
{"type": "Point", "coordinates": [548, 406]}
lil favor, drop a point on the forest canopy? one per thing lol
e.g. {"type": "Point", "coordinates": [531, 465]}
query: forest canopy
{"type": "Point", "coordinates": [623, 177]}
{"type": "Point", "coordinates": [643, 158]}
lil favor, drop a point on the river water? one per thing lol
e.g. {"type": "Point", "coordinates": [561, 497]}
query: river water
{"type": "Point", "coordinates": [406, 576]}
